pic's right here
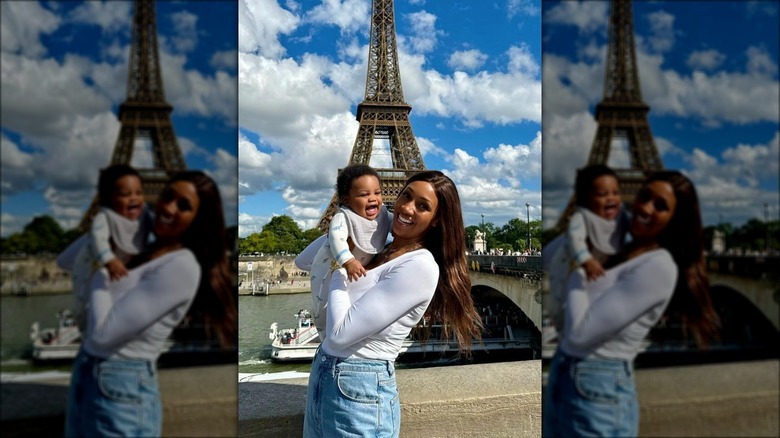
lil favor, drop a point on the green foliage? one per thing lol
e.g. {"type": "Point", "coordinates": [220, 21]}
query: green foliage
{"type": "Point", "coordinates": [512, 236]}
{"type": "Point", "coordinates": [280, 234]}
{"type": "Point", "coordinates": [42, 235]}
{"type": "Point", "coordinates": [752, 236]}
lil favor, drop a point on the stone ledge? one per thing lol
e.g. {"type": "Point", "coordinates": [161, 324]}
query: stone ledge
{"type": "Point", "coordinates": [731, 399]}
{"type": "Point", "coordinates": [488, 400]}
{"type": "Point", "coordinates": [197, 401]}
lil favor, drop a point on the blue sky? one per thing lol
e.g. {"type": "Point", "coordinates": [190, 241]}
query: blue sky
{"type": "Point", "coordinates": [64, 73]}
{"type": "Point", "coordinates": [708, 70]}
{"type": "Point", "coordinates": [470, 70]}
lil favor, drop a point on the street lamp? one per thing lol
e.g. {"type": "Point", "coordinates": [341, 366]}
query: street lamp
{"type": "Point", "coordinates": [484, 242]}
{"type": "Point", "coordinates": [766, 225]}
{"type": "Point", "coordinates": [528, 223]}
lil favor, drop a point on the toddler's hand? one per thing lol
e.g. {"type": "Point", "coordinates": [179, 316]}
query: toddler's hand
{"type": "Point", "coordinates": [593, 269]}
{"type": "Point", "coordinates": [354, 269]}
{"type": "Point", "coordinates": [116, 269]}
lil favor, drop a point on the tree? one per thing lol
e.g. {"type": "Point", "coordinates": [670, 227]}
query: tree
{"type": "Point", "coordinates": [42, 234]}
{"type": "Point", "coordinates": [287, 233]}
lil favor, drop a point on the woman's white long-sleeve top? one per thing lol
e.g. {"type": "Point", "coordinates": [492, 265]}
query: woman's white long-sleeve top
{"type": "Point", "coordinates": [132, 318]}
{"type": "Point", "coordinates": [609, 318]}
{"type": "Point", "coordinates": [371, 317]}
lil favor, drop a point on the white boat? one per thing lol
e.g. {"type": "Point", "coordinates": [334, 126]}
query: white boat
{"type": "Point", "coordinates": [295, 344]}
{"type": "Point", "coordinates": [300, 344]}
{"type": "Point", "coordinates": [63, 343]}
{"type": "Point", "coordinates": [59, 343]}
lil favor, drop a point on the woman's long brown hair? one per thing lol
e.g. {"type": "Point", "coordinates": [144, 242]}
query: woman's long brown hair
{"type": "Point", "coordinates": [215, 302]}
{"type": "Point", "coordinates": [683, 237]}
{"type": "Point", "coordinates": [452, 304]}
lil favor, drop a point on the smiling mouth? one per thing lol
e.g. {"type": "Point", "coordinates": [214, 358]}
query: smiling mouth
{"type": "Point", "coordinates": [372, 210]}
{"type": "Point", "coordinates": [405, 221]}
{"type": "Point", "coordinates": [165, 219]}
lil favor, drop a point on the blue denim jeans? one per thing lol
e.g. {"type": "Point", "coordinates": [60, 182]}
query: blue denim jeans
{"type": "Point", "coordinates": [589, 398]}
{"type": "Point", "coordinates": [112, 397]}
{"type": "Point", "coordinates": [351, 398]}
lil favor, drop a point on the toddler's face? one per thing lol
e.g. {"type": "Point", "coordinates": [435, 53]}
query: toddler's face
{"type": "Point", "coordinates": [365, 197]}
{"type": "Point", "coordinates": [128, 197]}
{"type": "Point", "coordinates": [604, 197]}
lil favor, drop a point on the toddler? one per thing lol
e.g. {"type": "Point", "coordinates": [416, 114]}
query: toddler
{"type": "Point", "coordinates": [356, 233]}
{"type": "Point", "coordinates": [118, 232]}
{"type": "Point", "coordinates": [596, 231]}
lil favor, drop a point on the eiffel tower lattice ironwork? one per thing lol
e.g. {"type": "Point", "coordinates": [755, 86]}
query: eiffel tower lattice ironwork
{"type": "Point", "coordinates": [621, 111]}
{"type": "Point", "coordinates": [145, 113]}
{"type": "Point", "coordinates": [383, 114]}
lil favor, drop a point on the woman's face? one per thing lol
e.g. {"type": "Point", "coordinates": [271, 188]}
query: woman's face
{"type": "Point", "coordinates": [176, 209]}
{"type": "Point", "coordinates": [654, 208]}
{"type": "Point", "coordinates": [414, 211]}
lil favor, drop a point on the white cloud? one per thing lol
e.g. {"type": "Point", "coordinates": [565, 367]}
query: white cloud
{"type": "Point", "coordinates": [191, 92]}
{"type": "Point", "coordinates": [524, 7]}
{"type": "Point", "coordinates": [586, 16]}
{"type": "Point", "coordinates": [730, 185]}
{"type": "Point", "coordinates": [10, 224]}
{"type": "Point", "coordinates": [349, 16]}
{"type": "Point", "coordinates": [424, 34]}
{"type": "Point", "coordinates": [468, 60]}
{"type": "Point", "coordinates": [185, 36]}
{"type": "Point", "coordinates": [494, 185]}
{"type": "Point", "coordinates": [706, 59]}
{"type": "Point", "coordinates": [255, 168]}
{"type": "Point", "coordinates": [227, 59]}
{"type": "Point", "coordinates": [494, 97]}
{"type": "Point", "coordinates": [224, 174]}
{"type": "Point", "coordinates": [109, 16]}
{"type": "Point", "coordinates": [17, 168]}
{"type": "Point", "coordinates": [521, 60]}
{"type": "Point", "coordinates": [22, 24]}
{"type": "Point", "coordinates": [259, 24]}
{"type": "Point", "coordinates": [280, 98]}
{"type": "Point", "coordinates": [760, 62]}
{"type": "Point", "coordinates": [249, 224]}
{"type": "Point", "coordinates": [663, 34]}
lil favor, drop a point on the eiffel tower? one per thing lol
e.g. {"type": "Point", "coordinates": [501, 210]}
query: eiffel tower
{"type": "Point", "coordinates": [145, 113]}
{"type": "Point", "coordinates": [383, 114]}
{"type": "Point", "coordinates": [621, 112]}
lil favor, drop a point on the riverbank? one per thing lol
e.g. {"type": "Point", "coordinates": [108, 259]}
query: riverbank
{"type": "Point", "coordinates": [297, 285]}
{"type": "Point", "coordinates": [197, 401]}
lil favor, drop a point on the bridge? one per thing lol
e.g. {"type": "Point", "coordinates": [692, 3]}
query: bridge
{"type": "Point", "coordinates": [519, 278]}
{"type": "Point", "coordinates": [748, 283]}
{"type": "Point", "coordinates": [745, 289]}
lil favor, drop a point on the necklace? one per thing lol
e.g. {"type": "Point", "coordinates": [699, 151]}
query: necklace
{"type": "Point", "coordinates": [390, 253]}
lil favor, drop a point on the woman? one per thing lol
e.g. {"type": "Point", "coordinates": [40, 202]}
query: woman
{"type": "Point", "coordinates": [590, 389]}
{"type": "Point", "coordinates": [422, 272]}
{"type": "Point", "coordinates": [114, 390]}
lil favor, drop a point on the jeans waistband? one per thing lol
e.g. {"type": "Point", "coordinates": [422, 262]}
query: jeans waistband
{"type": "Point", "coordinates": [139, 364]}
{"type": "Point", "coordinates": [354, 363]}
{"type": "Point", "coordinates": [615, 364]}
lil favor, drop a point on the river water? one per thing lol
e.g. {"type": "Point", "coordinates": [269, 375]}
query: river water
{"type": "Point", "coordinates": [18, 314]}
{"type": "Point", "coordinates": [255, 316]}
